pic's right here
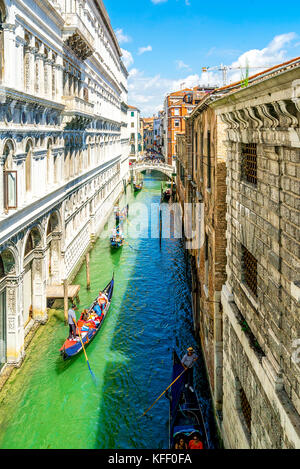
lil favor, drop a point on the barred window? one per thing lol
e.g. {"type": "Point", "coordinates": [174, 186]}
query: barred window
{"type": "Point", "coordinates": [201, 154]}
{"type": "Point", "coordinates": [246, 409]}
{"type": "Point", "coordinates": [208, 161]}
{"type": "Point", "coordinates": [249, 270]}
{"type": "Point", "coordinates": [249, 162]}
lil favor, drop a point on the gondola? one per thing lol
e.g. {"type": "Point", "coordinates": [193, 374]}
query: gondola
{"type": "Point", "coordinates": [117, 239]}
{"type": "Point", "coordinates": [89, 329]}
{"type": "Point", "coordinates": [138, 186]}
{"type": "Point", "coordinates": [168, 190]}
{"type": "Point", "coordinates": [185, 415]}
{"type": "Point", "coordinates": [166, 195]}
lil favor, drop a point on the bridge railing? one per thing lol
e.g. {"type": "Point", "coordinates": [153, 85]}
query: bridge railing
{"type": "Point", "coordinates": [152, 165]}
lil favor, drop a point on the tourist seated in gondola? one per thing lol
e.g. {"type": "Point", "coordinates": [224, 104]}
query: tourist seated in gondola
{"type": "Point", "coordinates": [84, 315]}
{"type": "Point", "coordinates": [181, 443]}
{"type": "Point", "coordinates": [102, 301]}
{"type": "Point", "coordinates": [195, 442]}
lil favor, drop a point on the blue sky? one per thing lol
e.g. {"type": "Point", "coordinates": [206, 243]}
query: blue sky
{"type": "Point", "coordinates": [167, 42]}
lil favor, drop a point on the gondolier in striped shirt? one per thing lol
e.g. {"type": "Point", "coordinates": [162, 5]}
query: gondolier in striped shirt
{"type": "Point", "coordinates": [72, 327]}
{"type": "Point", "coordinates": [188, 362]}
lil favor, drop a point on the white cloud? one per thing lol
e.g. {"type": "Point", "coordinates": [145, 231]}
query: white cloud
{"type": "Point", "coordinates": [181, 65]}
{"type": "Point", "coordinates": [122, 38]}
{"type": "Point", "coordinates": [156, 2]}
{"type": "Point", "coordinates": [127, 58]}
{"type": "Point", "coordinates": [142, 50]}
{"type": "Point", "coordinates": [260, 59]}
{"type": "Point", "coordinates": [148, 92]}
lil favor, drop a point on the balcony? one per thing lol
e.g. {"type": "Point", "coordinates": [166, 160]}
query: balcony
{"type": "Point", "coordinates": [77, 36]}
{"type": "Point", "coordinates": [75, 105]}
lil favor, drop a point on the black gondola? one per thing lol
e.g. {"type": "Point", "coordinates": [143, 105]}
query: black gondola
{"type": "Point", "coordinates": [185, 415]}
{"type": "Point", "coordinates": [138, 186]}
{"type": "Point", "coordinates": [89, 329]}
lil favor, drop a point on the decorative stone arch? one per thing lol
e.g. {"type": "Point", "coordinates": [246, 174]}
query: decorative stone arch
{"type": "Point", "coordinates": [9, 150]}
{"type": "Point", "coordinates": [34, 281]}
{"type": "Point", "coordinates": [8, 264]}
{"type": "Point", "coordinates": [141, 168]}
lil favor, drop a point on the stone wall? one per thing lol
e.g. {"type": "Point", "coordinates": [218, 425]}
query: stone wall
{"type": "Point", "coordinates": [261, 309]}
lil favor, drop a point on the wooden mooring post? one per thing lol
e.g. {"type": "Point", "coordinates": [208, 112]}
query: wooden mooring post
{"type": "Point", "coordinates": [66, 300]}
{"type": "Point", "coordinates": [160, 227]}
{"type": "Point", "coordinates": [88, 277]}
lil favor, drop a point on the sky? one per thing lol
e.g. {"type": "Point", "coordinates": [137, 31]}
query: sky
{"type": "Point", "coordinates": [166, 43]}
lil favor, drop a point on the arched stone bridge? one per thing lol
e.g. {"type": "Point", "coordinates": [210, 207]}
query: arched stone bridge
{"type": "Point", "coordinates": [152, 166]}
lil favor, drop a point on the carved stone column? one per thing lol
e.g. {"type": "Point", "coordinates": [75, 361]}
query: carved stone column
{"type": "Point", "coordinates": [39, 301]}
{"type": "Point", "coordinates": [15, 329]}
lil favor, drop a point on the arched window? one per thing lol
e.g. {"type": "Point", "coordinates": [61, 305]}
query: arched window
{"type": "Point", "coordinates": [89, 154]}
{"type": "Point", "coordinates": [28, 169]}
{"type": "Point", "coordinates": [9, 178]}
{"type": "Point", "coordinates": [49, 161]}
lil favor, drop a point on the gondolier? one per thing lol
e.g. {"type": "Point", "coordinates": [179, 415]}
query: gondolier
{"type": "Point", "coordinates": [188, 362]}
{"type": "Point", "coordinates": [71, 317]}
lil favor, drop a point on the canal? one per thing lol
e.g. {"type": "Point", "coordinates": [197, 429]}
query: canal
{"type": "Point", "coordinates": [49, 403]}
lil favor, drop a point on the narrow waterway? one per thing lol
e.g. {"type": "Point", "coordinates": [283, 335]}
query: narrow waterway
{"type": "Point", "coordinates": [49, 403]}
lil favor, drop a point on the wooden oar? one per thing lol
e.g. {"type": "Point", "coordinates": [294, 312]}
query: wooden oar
{"type": "Point", "coordinates": [163, 393]}
{"type": "Point", "coordinates": [86, 357]}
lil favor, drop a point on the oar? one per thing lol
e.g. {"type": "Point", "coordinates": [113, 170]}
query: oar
{"type": "Point", "coordinates": [163, 393]}
{"type": "Point", "coordinates": [131, 247]}
{"type": "Point", "coordinates": [86, 357]}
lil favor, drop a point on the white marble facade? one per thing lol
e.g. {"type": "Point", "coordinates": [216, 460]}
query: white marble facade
{"type": "Point", "coordinates": [64, 158]}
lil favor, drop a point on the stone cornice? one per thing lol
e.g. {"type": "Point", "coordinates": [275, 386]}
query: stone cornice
{"type": "Point", "coordinates": [21, 96]}
{"type": "Point", "coordinates": [265, 90]}
{"type": "Point", "coordinates": [52, 11]}
{"type": "Point", "coordinates": [103, 14]}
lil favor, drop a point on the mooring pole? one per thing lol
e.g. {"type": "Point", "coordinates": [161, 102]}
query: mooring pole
{"type": "Point", "coordinates": [160, 226]}
{"type": "Point", "coordinates": [88, 278]}
{"type": "Point", "coordinates": [66, 300]}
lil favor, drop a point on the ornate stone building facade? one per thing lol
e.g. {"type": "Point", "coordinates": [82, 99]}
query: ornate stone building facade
{"type": "Point", "coordinates": [63, 154]}
{"type": "Point", "coordinates": [240, 158]}
{"type": "Point", "coordinates": [260, 299]}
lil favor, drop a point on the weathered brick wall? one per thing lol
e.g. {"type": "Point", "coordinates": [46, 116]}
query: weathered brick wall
{"type": "Point", "coordinates": [211, 277]}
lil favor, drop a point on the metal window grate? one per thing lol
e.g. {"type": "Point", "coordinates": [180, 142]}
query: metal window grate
{"type": "Point", "coordinates": [249, 162]}
{"type": "Point", "coordinates": [249, 270]}
{"type": "Point", "coordinates": [246, 409]}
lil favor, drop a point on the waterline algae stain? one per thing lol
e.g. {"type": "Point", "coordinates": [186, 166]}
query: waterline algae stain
{"type": "Point", "coordinates": [49, 403]}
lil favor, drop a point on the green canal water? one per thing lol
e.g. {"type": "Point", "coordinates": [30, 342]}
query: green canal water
{"type": "Point", "coordinates": [50, 403]}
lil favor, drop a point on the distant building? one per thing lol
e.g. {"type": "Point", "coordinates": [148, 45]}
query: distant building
{"type": "Point", "coordinates": [177, 106]}
{"type": "Point", "coordinates": [148, 133]}
{"type": "Point", "coordinates": [134, 133]}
